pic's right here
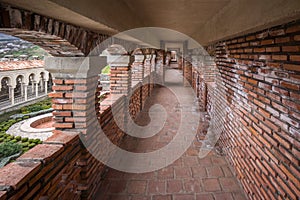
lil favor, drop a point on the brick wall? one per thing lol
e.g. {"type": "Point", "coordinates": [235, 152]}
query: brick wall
{"type": "Point", "coordinates": [259, 79]}
{"type": "Point", "coordinates": [62, 167]}
{"type": "Point", "coordinates": [187, 73]}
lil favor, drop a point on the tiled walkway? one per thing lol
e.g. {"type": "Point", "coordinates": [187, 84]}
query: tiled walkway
{"type": "Point", "coordinates": [188, 178]}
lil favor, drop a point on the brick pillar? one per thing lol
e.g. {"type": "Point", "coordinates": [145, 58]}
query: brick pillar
{"type": "Point", "coordinates": [187, 72]}
{"type": "Point", "coordinates": [120, 71]}
{"type": "Point", "coordinates": [137, 68]}
{"type": "Point", "coordinates": [73, 97]}
{"type": "Point", "coordinates": [160, 70]}
{"type": "Point", "coordinates": [147, 62]}
{"type": "Point", "coordinates": [153, 60]}
{"type": "Point", "coordinates": [152, 70]}
{"type": "Point", "coordinates": [180, 63]}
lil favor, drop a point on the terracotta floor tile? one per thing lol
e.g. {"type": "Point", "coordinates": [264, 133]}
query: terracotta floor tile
{"type": "Point", "coordinates": [189, 177]}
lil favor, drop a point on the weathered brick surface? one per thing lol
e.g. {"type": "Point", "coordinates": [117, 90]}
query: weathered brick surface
{"type": "Point", "coordinates": [62, 167]}
{"type": "Point", "coordinates": [256, 99]}
{"type": "Point", "coordinates": [187, 73]}
{"type": "Point", "coordinates": [55, 36]}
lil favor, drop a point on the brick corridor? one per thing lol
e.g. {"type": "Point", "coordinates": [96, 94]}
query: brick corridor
{"type": "Point", "coordinates": [188, 178]}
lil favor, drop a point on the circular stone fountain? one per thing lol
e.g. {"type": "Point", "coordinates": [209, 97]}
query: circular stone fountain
{"type": "Point", "coordinates": [39, 127]}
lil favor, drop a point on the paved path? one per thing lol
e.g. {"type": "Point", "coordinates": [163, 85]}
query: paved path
{"type": "Point", "coordinates": [188, 178]}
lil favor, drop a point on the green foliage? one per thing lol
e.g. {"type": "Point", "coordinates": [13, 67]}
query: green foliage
{"type": "Point", "coordinates": [42, 105]}
{"type": "Point", "coordinates": [32, 50]}
{"type": "Point", "coordinates": [25, 144]}
{"type": "Point", "coordinates": [9, 148]}
{"type": "Point", "coordinates": [18, 138]}
{"type": "Point", "coordinates": [11, 145]}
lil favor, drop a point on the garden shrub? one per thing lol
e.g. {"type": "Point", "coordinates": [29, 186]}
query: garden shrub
{"type": "Point", "coordinates": [9, 148]}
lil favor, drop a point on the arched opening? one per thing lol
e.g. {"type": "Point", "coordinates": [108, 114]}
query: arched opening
{"type": "Point", "coordinates": [19, 89]}
{"type": "Point", "coordinates": [31, 86]}
{"type": "Point", "coordinates": [4, 94]}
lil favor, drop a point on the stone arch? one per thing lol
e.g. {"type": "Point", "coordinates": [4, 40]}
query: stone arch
{"type": "Point", "coordinates": [56, 37]}
{"type": "Point", "coordinates": [9, 81]}
{"type": "Point", "coordinates": [19, 78]}
{"type": "Point", "coordinates": [31, 77]}
{"type": "Point", "coordinates": [19, 83]}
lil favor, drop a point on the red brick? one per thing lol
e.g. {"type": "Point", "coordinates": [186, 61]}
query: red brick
{"type": "Point", "coordinates": [289, 85]}
{"type": "Point", "coordinates": [290, 48]}
{"type": "Point", "coordinates": [58, 81]}
{"type": "Point", "coordinates": [277, 32]}
{"type": "Point", "coordinates": [264, 86]}
{"type": "Point", "coordinates": [294, 57]}
{"type": "Point", "coordinates": [62, 113]}
{"type": "Point", "coordinates": [183, 196]}
{"type": "Point", "coordinates": [174, 186]}
{"type": "Point", "coordinates": [156, 187]}
{"type": "Point", "coordinates": [63, 125]}
{"type": "Point", "coordinates": [290, 121]}
{"type": "Point", "coordinates": [162, 197]}
{"type": "Point", "coordinates": [297, 37]}
{"type": "Point", "coordinates": [192, 186]}
{"type": "Point", "coordinates": [75, 81]}
{"type": "Point", "coordinates": [16, 174]}
{"type": "Point", "coordinates": [211, 185]}
{"type": "Point", "coordinates": [292, 67]}
{"type": "Point", "coordinates": [137, 187]}
{"type": "Point", "coordinates": [266, 42]}
{"type": "Point", "coordinates": [117, 186]}
{"type": "Point", "coordinates": [57, 107]}
{"type": "Point", "coordinates": [56, 94]}
{"type": "Point", "coordinates": [259, 50]}
{"type": "Point", "coordinates": [279, 57]}
{"type": "Point", "coordinates": [165, 173]}
{"type": "Point", "coordinates": [74, 107]}
{"type": "Point", "coordinates": [250, 37]}
{"type": "Point", "coordinates": [214, 171]}
{"type": "Point", "coordinates": [199, 171]}
{"type": "Point", "coordinates": [62, 87]}
{"type": "Point", "coordinates": [272, 49]}
{"type": "Point", "coordinates": [282, 40]}
{"type": "Point", "coordinates": [262, 35]}
{"type": "Point", "coordinates": [293, 29]}
{"type": "Point", "coordinates": [182, 172]}
{"type": "Point", "coordinates": [280, 91]}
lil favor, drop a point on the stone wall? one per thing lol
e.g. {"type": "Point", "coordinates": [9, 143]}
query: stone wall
{"type": "Point", "coordinates": [256, 97]}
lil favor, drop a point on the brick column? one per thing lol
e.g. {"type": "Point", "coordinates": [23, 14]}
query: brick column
{"type": "Point", "coordinates": [160, 70]}
{"type": "Point", "coordinates": [73, 97]}
{"type": "Point", "coordinates": [138, 65]}
{"type": "Point", "coordinates": [147, 62]}
{"type": "Point", "coordinates": [120, 71]}
{"type": "Point", "coordinates": [179, 61]}
{"type": "Point", "coordinates": [187, 72]}
{"type": "Point", "coordinates": [153, 59]}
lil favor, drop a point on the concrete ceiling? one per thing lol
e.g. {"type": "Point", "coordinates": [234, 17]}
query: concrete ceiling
{"type": "Point", "coordinates": [203, 20]}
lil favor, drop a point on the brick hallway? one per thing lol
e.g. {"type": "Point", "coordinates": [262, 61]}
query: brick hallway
{"type": "Point", "coordinates": [187, 178]}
